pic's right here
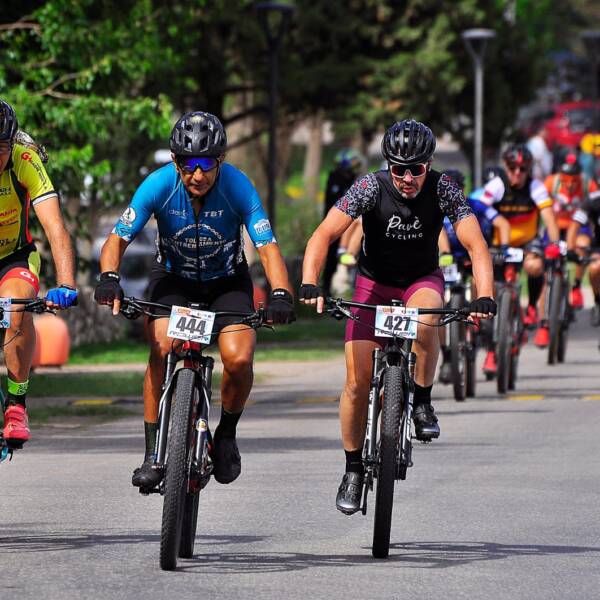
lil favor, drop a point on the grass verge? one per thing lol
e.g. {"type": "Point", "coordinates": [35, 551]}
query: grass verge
{"type": "Point", "coordinates": [105, 412]}
{"type": "Point", "coordinates": [86, 384]}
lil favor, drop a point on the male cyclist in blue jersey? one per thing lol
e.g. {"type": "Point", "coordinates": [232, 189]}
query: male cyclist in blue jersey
{"type": "Point", "coordinates": [200, 204]}
{"type": "Point", "coordinates": [490, 221]}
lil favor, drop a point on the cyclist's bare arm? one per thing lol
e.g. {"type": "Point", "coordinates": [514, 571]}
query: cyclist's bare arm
{"type": "Point", "coordinates": [470, 236]}
{"type": "Point", "coordinates": [334, 224]}
{"type": "Point", "coordinates": [502, 226]}
{"type": "Point", "coordinates": [110, 259]}
{"type": "Point", "coordinates": [51, 220]}
{"type": "Point", "coordinates": [547, 215]}
{"type": "Point", "coordinates": [444, 243]}
{"type": "Point", "coordinates": [572, 233]}
{"type": "Point", "coordinates": [274, 265]}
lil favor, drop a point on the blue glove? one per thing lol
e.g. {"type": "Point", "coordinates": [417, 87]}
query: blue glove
{"type": "Point", "coordinates": [64, 296]}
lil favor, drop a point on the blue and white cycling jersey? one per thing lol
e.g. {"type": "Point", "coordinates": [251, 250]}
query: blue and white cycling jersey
{"type": "Point", "coordinates": [485, 216]}
{"type": "Point", "coordinates": [203, 247]}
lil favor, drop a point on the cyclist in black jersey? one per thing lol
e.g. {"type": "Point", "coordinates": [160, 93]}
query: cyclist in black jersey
{"type": "Point", "coordinates": [402, 212]}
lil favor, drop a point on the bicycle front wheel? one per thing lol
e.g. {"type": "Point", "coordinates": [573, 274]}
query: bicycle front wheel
{"type": "Point", "coordinates": [179, 448]}
{"type": "Point", "coordinates": [188, 528]}
{"type": "Point", "coordinates": [554, 324]}
{"type": "Point", "coordinates": [505, 342]}
{"type": "Point", "coordinates": [458, 354]}
{"type": "Point", "coordinates": [388, 456]}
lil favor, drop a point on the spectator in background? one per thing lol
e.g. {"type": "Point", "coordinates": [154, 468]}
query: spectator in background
{"type": "Point", "coordinates": [348, 164]}
{"type": "Point", "coordinates": [542, 157]}
{"type": "Point", "coordinates": [589, 158]}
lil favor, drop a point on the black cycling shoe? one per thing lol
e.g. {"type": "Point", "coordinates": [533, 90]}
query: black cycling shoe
{"type": "Point", "coordinates": [426, 423]}
{"type": "Point", "coordinates": [350, 493]}
{"type": "Point", "coordinates": [445, 373]}
{"type": "Point", "coordinates": [226, 459]}
{"type": "Point", "coordinates": [145, 477]}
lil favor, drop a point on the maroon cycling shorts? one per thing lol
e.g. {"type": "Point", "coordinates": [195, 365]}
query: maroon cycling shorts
{"type": "Point", "coordinates": [370, 292]}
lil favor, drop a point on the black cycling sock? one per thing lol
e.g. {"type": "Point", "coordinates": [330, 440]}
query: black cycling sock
{"type": "Point", "coordinates": [12, 400]}
{"type": "Point", "coordinates": [354, 463]}
{"type": "Point", "coordinates": [597, 298]}
{"type": "Point", "coordinates": [577, 283]}
{"type": "Point", "coordinates": [228, 423]}
{"type": "Point", "coordinates": [535, 289]}
{"type": "Point", "coordinates": [422, 394]}
{"type": "Point", "coordinates": [445, 354]}
{"type": "Point", "coordinates": [150, 431]}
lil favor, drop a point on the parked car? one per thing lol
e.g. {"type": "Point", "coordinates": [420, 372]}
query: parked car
{"type": "Point", "coordinates": [570, 121]}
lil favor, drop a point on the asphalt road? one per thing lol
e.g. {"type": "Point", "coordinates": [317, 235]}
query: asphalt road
{"type": "Point", "coordinates": [504, 505]}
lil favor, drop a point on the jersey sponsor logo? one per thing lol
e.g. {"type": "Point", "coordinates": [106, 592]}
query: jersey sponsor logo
{"type": "Point", "coordinates": [4, 191]}
{"type": "Point", "coordinates": [26, 156]}
{"type": "Point", "coordinates": [213, 213]}
{"type": "Point", "coordinates": [262, 226]}
{"type": "Point", "coordinates": [128, 217]}
{"type": "Point", "coordinates": [7, 242]}
{"type": "Point", "coordinates": [178, 213]}
{"type": "Point", "coordinates": [7, 213]}
{"type": "Point", "coordinates": [27, 275]}
{"type": "Point", "coordinates": [40, 171]}
{"type": "Point", "coordinates": [404, 230]}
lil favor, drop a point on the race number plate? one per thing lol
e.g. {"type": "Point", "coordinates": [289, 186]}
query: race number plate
{"type": "Point", "coordinates": [396, 321]}
{"type": "Point", "coordinates": [5, 310]}
{"type": "Point", "coordinates": [514, 255]}
{"type": "Point", "coordinates": [450, 273]}
{"type": "Point", "coordinates": [191, 324]}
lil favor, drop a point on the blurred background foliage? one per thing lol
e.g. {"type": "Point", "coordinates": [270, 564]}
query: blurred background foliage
{"type": "Point", "coordinates": [101, 83]}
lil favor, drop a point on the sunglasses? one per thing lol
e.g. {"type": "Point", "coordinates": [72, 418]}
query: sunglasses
{"type": "Point", "coordinates": [518, 168]}
{"type": "Point", "coordinates": [191, 163]}
{"type": "Point", "coordinates": [415, 170]}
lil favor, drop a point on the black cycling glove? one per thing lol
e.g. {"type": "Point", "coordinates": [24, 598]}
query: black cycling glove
{"type": "Point", "coordinates": [108, 289]}
{"type": "Point", "coordinates": [483, 305]}
{"type": "Point", "coordinates": [572, 256]}
{"type": "Point", "coordinates": [280, 308]}
{"type": "Point", "coordinates": [308, 291]}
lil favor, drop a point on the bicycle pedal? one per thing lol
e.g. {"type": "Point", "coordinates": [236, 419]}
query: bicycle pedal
{"type": "Point", "coordinates": [15, 444]}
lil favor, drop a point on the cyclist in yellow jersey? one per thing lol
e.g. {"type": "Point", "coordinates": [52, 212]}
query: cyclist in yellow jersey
{"type": "Point", "coordinates": [24, 183]}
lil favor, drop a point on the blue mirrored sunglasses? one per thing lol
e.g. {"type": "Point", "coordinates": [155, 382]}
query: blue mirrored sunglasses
{"type": "Point", "coordinates": [189, 164]}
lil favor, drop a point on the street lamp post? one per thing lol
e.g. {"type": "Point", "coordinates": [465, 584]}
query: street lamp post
{"type": "Point", "coordinates": [476, 40]}
{"type": "Point", "coordinates": [274, 20]}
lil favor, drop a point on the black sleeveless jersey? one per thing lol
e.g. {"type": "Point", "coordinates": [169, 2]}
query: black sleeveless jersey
{"type": "Point", "coordinates": [400, 243]}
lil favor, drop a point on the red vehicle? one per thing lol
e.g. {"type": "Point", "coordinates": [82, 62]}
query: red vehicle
{"type": "Point", "coordinates": [570, 121]}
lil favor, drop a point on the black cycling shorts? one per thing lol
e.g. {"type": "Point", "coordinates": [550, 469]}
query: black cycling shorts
{"type": "Point", "coordinates": [225, 293]}
{"type": "Point", "coordinates": [22, 264]}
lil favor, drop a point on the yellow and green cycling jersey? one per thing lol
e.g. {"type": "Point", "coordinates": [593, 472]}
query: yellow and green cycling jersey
{"type": "Point", "coordinates": [23, 183]}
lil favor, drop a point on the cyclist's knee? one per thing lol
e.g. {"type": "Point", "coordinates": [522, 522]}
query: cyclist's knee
{"type": "Point", "coordinates": [237, 365]}
{"type": "Point", "coordinates": [356, 391]}
{"type": "Point", "coordinates": [533, 265]}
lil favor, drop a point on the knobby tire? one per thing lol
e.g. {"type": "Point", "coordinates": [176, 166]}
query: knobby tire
{"type": "Point", "coordinates": [458, 352]}
{"type": "Point", "coordinates": [176, 475]}
{"type": "Point", "coordinates": [504, 343]}
{"type": "Point", "coordinates": [388, 456]}
{"type": "Point", "coordinates": [554, 324]}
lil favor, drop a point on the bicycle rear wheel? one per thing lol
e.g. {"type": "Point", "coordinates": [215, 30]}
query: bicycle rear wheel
{"type": "Point", "coordinates": [458, 354]}
{"type": "Point", "coordinates": [179, 448]}
{"type": "Point", "coordinates": [504, 343]}
{"type": "Point", "coordinates": [554, 324]}
{"type": "Point", "coordinates": [388, 456]}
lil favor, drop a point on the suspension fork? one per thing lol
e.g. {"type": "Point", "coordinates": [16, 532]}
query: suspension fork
{"type": "Point", "coordinates": [370, 446]}
{"type": "Point", "coordinates": [205, 393]}
{"type": "Point", "coordinates": [164, 409]}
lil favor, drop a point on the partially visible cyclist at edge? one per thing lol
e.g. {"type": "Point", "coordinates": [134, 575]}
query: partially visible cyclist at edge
{"type": "Point", "coordinates": [24, 183]}
{"type": "Point", "coordinates": [452, 251]}
{"type": "Point", "coordinates": [522, 200]}
{"type": "Point", "coordinates": [570, 189]}
{"type": "Point", "coordinates": [348, 163]}
{"type": "Point", "coordinates": [402, 212]}
{"type": "Point", "coordinates": [200, 203]}
{"type": "Point", "coordinates": [589, 216]}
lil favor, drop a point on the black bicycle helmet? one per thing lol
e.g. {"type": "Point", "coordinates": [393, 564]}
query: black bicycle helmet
{"type": "Point", "coordinates": [8, 122]}
{"type": "Point", "coordinates": [456, 176]}
{"type": "Point", "coordinates": [518, 154]}
{"type": "Point", "coordinates": [408, 142]}
{"type": "Point", "coordinates": [494, 171]}
{"type": "Point", "coordinates": [198, 134]}
{"type": "Point", "coordinates": [570, 165]}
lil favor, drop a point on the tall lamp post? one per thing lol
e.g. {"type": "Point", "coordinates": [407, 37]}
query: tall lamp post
{"type": "Point", "coordinates": [476, 40]}
{"type": "Point", "coordinates": [274, 19]}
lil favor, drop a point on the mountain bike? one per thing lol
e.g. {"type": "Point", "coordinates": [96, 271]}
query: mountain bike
{"type": "Point", "coordinates": [32, 305]}
{"type": "Point", "coordinates": [387, 451]}
{"type": "Point", "coordinates": [184, 441]}
{"type": "Point", "coordinates": [460, 340]}
{"type": "Point", "coordinates": [509, 329]}
{"type": "Point", "coordinates": [558, 309]}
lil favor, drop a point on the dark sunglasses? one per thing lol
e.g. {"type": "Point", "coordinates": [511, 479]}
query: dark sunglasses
{"type": "Point", "coordinates": [415, 170]}
{"type": "Point", "coordinates": [518, 168]}
{"type": "Point", "coordinates": [189, 164]}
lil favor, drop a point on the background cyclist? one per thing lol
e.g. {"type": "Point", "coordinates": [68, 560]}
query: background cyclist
{"type": "Point", "coordinates": [25, 183]}
{"type": "Point", "coordinates": [522, 200]}
{"type": "Point", "coordinates": [200, 203]}
{"type": "Point", "coordinates": [402, 212]}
